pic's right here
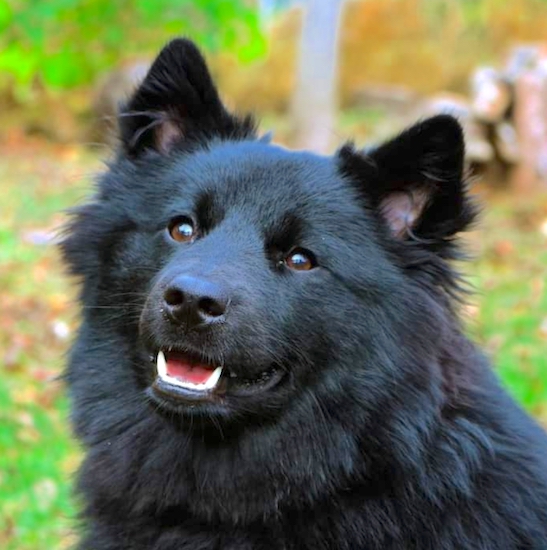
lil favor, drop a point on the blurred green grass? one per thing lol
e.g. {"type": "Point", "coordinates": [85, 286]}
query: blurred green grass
{"type": "Point", "coordinates": [507, 315]}
{"type": "Point", "coordinates": [37, 454]}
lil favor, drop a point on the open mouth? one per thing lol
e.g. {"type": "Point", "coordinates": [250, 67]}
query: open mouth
{"type": "Point", "coordinates": [183, 372]}
{"type": "Point", "coordinates": [182, 378]}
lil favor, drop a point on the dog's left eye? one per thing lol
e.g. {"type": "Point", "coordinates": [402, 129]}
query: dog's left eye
{"type": "Point", "coordinates": [182, 229]}
{"type": "Point", "coordinates": [300, 259]}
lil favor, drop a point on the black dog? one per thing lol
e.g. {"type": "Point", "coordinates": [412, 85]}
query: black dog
{"type": "Point", "coordinates": [270, 356]}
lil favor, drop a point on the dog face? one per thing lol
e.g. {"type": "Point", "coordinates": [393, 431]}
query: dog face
{"type": "Point", "coordinates": [236, 277]}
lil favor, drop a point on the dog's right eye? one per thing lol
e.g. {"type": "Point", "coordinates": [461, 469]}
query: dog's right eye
{"type": "Point", "coordinates": [182, 229]}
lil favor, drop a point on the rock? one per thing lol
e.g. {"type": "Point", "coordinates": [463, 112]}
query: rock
{"type": "Point", "coordinates": [506, 142]}
{"type": "Point", "coordinates": [478, 149]}
{"type": "Point", "coordinates": [531, 128]}
{"type": "Point", "coordinates": [491, 95]}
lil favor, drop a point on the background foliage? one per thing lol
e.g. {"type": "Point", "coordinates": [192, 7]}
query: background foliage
{"type": "Point", "coordinates": [65, 43]}
{"type": "Point", "coordinates": [58, 45]}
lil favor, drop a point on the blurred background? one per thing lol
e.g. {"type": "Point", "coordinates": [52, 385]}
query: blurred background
{"type": "Point", "coordinates": [317, 73]}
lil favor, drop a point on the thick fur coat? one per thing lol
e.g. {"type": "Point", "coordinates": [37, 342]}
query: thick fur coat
{"type": "Point", "coordinates": [351, 413]}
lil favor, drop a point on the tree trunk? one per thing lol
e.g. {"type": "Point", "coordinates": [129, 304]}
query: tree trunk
{"type": "Point", "coordinates": [315, 98]}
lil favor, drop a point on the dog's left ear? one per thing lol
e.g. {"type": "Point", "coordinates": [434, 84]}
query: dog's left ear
{"type": "Point", "coordinates": [415, 182]}
{"type": "Point", "coordinates": [177, 102]}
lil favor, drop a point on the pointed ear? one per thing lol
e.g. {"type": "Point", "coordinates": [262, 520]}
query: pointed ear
{"type": "Point", "coordinates": [177, 102]}
{"type": "Point", "coordinates": [415, 182]}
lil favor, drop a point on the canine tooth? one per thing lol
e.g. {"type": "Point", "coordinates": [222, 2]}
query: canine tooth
{"type": "Point", "coordinates": [161, 365]}
{"type": "Point", "coordinates": [213, 379]}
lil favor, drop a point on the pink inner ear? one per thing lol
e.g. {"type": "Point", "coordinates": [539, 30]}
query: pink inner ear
{"type": "Point", "coordinates": [402, 209]}
{"type": "Point", "coordinates": [166, 135]}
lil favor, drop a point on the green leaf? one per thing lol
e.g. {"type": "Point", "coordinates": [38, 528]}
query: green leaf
{"type": "Point", "coordinates": [66, 43]}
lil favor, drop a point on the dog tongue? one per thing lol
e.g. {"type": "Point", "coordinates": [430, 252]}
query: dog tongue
{"type": "Point", "coordinates": [183, 369]}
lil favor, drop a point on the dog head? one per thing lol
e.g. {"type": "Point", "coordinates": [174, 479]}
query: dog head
{"type": "Point", "coordinates": [232, 275]}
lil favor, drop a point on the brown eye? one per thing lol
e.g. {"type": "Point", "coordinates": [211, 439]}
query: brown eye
{"type": "Point", "coordinates": [182, 230]}
{"type": "Point", "coordinates": [300, 259]}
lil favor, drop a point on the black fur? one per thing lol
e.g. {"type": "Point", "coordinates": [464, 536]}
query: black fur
{"type": "Point", "coordinates": [388, 430]}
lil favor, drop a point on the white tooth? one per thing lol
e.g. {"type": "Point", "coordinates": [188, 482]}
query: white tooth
{"type": "Point", "coordinates": [161, 365]}
{"type": "Point", "coordinates": [213, 379]}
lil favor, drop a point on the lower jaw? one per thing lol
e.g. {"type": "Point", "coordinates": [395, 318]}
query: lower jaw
{"type": "Point", "coordinates": [227, 387]}
{"type": "Point", "coordinates": [181, 406]}
{"type": "Point", "coordinates": [180, 397]}
{"type": "Point", "coordinates": [226, 391]}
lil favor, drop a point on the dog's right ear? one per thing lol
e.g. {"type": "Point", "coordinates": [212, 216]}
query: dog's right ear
{"type": "Point", "coordinates": [177, 102]}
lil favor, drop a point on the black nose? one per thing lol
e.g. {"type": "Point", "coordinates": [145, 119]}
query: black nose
{"type": "Point", "coordinates": [193, 301]}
